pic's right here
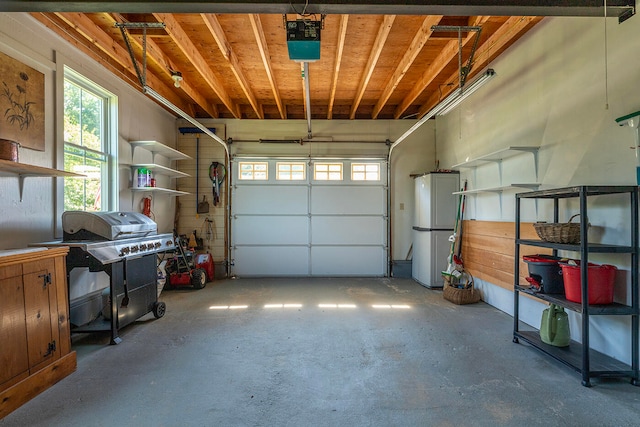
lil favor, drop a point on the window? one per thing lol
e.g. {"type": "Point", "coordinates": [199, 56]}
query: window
{"type": "Point", "coordinates": [365, 171]}
{"type": "Point", "coordinates": [88, 145]}
{"type": "Point", "coordinates": [290, 171]}
{"type": "Point", "coordinates": [327, 171]}
{"type": "Point", "coordinates": [255, 171]}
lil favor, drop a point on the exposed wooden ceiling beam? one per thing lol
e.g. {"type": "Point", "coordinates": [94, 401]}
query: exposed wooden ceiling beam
{"type": "Point", "coordinates": [378, 45]}
{"type": "Point", "coordinates": [342, 34]}
{"type": "Point", "coordinates": [105, 43]}
{"type": "Point", "coordinates": [212, 23]}
{"type": "Point", "coordinates": [189, 49]}
{"type": "Point", "coordinates": [261, 40]}
{"type": "Point", "coordinates": [155, 54]}
{"type": "Point", "coordinates": [405, 63]}
{"type": "Point", "coordinates": [63, 29]}
{"type": "Point", "coordinates": [101, 40]}
{"type": "Point", "coordinates": [446, 55]}
{"type": "Point", "coordinates": [485, 53]}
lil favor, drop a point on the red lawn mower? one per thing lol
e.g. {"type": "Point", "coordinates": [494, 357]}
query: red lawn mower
{"type": "Point", "coordinates": [183, 271]}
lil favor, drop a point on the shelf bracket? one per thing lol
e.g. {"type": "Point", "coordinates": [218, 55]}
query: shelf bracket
{"type": "Point", "coordinates": [21, 179]}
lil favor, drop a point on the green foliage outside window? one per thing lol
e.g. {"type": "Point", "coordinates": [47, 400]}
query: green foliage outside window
{"type": "Point", "coordinates": [84, 150]}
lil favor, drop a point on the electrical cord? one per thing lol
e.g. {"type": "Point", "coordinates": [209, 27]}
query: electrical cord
{"type": "Point", "coordinates": [207, 230]}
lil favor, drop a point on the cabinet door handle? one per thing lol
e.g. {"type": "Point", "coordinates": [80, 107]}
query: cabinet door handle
{"type": "Point", "coordinates": [51, 347]}
{"type": "Point", "coordinates": [46, 280]}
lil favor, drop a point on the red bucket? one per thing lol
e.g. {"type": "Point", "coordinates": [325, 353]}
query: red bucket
{"type": "Point", "coordinates": [600, 279]}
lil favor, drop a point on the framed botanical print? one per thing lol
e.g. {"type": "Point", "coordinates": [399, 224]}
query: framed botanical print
{"type": "Point", "coordinates": [21, 103]}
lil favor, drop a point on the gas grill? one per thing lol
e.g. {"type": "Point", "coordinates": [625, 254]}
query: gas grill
{"type": "Point", "coordinates": [113, 236]}
{"type": "Point", "coordinates": [124, 245]}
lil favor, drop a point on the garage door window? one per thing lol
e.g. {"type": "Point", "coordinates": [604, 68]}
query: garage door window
{"type": "Point", "coordinates": [253, 171]}
{"type": "Point", "coordinates": [290, 171]}
{"type": "Point", "coordinates": [365, 171]}
{"type": "Point", "coordinates": [327, 171]}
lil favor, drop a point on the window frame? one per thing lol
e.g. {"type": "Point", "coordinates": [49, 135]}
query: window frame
{"type": "Point", "coordinates": [291, 171]}
{"type": "Point", "coordinates": [253, 172]}
{"type": "Point", "coordinates": [328, 171]}
{"type": "Point", "coordinates": [365, 172]}
{"type": "Point", "coordinates": [109, 180]}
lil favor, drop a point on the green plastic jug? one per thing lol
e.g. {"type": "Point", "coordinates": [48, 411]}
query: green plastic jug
{"type": "Point", "coordinates": [554, 329]}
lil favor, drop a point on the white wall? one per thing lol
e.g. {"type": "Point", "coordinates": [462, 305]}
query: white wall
{"type": "Point", "coordinates": [560, 89]}
{"type": "Point", "coordinates": [35, 218]}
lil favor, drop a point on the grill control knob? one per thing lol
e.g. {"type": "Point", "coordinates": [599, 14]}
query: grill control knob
{"type": "Point", "coordinates": [143, 247]}
{"type": "Point", "coordinates": [156, 245]}
{"type": "Point", "coordinates": [134, 249]}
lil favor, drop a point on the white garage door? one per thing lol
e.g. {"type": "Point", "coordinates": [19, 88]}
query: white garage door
{"type": "Point", "coordinates": [301, 217]}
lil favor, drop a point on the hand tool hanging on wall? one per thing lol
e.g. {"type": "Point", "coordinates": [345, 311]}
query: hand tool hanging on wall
{"type": "Point", "coordinates": [217, 173]}
{"type": "Point", "coordinates": [201, 206]}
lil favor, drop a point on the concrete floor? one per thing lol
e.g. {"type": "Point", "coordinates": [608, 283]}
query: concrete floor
{"type": "Point", "coordinates": [431, 364]}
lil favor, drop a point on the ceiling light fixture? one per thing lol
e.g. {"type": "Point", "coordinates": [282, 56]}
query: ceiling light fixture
{"type": "Point", "coordinates": [453, 100]}
{"type": "Point", "coordinates": [177, 78]}
{"type": "Point", "coordinates": [446, 105]}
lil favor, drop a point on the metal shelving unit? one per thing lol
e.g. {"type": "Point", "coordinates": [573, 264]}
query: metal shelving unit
{"type": "Point", "coordinates": [579, 356]}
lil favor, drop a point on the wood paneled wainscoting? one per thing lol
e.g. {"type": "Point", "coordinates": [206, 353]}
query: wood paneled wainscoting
{"type": "Point", "coordinates": [488, 250]}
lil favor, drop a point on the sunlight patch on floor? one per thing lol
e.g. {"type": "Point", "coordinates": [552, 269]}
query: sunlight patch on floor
{"type": "Point", "coordinates": [391, 306]}
{"type": "Point", "coordinates": [227, 307]}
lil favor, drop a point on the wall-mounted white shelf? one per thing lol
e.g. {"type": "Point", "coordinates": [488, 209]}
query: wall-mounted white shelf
{"type": "Point", "coordinates": [25, 171]}
{"type": "Point", "coordinates": [498, 156]}
{"type": "Point", "coordinates": [159, 190]}
{"type": "Point", "coordinates": [159, 148]}
{"type": "Point", "coordinates": [521, 187]}
{"type": "Point", "coordinates": [155, 148]}
{"type": "Point", "coordinates": [159, 169]}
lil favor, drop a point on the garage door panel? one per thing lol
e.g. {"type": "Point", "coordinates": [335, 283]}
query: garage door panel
{"type": "Point", "coordinates": [271, 230]}
{"type": "Point", "coordinates": [347, 230]}
{"type": "Point", "coordinates": [271, 261]}
{"type": "Point", "coordinates": [347, 261]}
{"type": "Point", "coordinates": [270, 199]}
{"type": "Point", "coordinates": [308, 227]}
{"type": "Point", "coordinates": [362, 200]}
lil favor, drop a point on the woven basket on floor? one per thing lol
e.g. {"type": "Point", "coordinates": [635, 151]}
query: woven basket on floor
{"type": "Point", "coordinates": [467, 294]}
{"type": "Point", "coordinates": [559, 232]}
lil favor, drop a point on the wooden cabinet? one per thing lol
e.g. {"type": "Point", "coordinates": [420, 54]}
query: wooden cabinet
{"type": "Point", "coordinates": [34, 325]}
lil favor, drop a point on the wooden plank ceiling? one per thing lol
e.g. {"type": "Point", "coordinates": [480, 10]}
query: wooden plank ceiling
{"type": "Point", "coordinates": [237, 65]}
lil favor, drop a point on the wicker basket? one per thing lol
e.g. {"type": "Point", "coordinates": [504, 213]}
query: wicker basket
{"type": "Point", "coordinates": [559, 232]}
{"type": "Point", "coordinates": [466, 294]}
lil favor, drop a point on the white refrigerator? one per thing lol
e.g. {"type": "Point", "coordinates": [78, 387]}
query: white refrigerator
{"type": "Point", "coordinates": [433, 222]}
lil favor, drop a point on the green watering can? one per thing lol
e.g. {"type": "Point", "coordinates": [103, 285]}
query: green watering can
{"type": "Point", "coordinates": [554, 329]}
